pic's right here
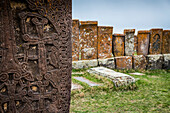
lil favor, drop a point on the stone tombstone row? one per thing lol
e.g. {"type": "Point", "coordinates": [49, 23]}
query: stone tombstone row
{"type": "Point", "coordinates": [90, 41]}
{"type": "Point", "coordinates": [35, 56]}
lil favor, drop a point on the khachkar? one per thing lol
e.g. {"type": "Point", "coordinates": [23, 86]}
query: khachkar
{"type": "Point", "coordinates": [35, 56]}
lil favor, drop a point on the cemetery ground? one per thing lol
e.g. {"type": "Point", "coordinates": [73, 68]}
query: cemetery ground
{"type": "Point", "coordinates": [151, 93]}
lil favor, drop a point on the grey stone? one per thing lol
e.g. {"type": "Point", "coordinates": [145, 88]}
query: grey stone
{"type": "Point", "coordinates": [84, 64]}
{"type": "Point", "coordinates": [129, 43]}
{"type": "Point", "coordinates": [119, 79]}
{"type": "Point", "coordinates": [90, 83]}
{"type": "Point", "coordinates": [154, 61]}
{"type": "Point", "coordinates": [75, 86]}
{"type": "Point", "coordinates": [166, 63]}
{"type": "Point", "coordinates": [110, 63]}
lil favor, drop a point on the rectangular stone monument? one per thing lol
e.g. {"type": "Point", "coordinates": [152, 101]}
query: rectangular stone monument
{"type": "Point", "coordinates": [166, 42]}
{"type": "Point", "coordinates": [143, 42]}
{"type": "Point", "coordinates": [156, 41]}
{"type": "Point", "coordinates": [139, 62]}
{"type": "Point", "coordinates": [75, 39]}
{"type": "Point", "coordinates": [118, 44]}
{"type": "Point", "coordinates": [154, 61]}
{"type": "Point", "coordinates": [109, 62]}
{"type": "Point", "coordinates": [88, 40]}
{"type": "Point", "coordinates": [123, 62]}
{"type": "Point", "coordinates": [129, 42]}
{"type": "Point", "coordinates": [35, 70]}
{"type": "Point", "coordinates": [105, 42]}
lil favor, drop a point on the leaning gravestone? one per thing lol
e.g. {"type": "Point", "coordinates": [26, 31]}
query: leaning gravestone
{"type": "Point", "coordinates": [35, 56]}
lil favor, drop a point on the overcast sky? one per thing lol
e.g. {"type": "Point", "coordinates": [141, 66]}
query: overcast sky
{"type": "Point", "coordinates": [123, 14]}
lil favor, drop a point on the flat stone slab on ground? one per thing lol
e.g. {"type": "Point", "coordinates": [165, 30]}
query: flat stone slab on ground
{"type": "Point", "coordinates": [90, 83]}
{"type": "Point", "coordinates": [75, 86]}
{"type": "Point", "coordinates": [77, 73]}
{"type": "Point", "coordinates": [118, 78]}
{"type": "Point", "coordinates": [136, 73]}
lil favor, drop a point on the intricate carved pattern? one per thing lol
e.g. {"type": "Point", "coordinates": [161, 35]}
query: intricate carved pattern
{"type": "Point", "coordinates": [105, 42]}
{"type": "Point", "coordinates": [156, 41]}
{"type": "Point", "coordinates": [36, 77]}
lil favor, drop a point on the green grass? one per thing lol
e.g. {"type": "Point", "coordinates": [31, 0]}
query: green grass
{"type": "Point", "coordinates": [151, 95]}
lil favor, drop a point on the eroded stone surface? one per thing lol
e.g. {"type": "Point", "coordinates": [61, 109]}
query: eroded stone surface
{"type": "Point", "coordinates": [84, 64]}
{"type": "Point", "coordinates": [118, 45]}
{"type": "Point", "coordinates": [105, 42]}
{"type": "Point", "coordinates": [123, 62]}
{"type": "Point", "coordinates": [129, 41]}
{"type": "Point", "coordinates": [154, 61]}
{"type": "Point", "coordinates": [166, 64]}
{"type": "Point", "coordinates": [75, 40]}
{"type": "Point", "coordinates": [143, 42]}
{"type": "Point", "coordinates": [155, 41]}
{"type": "Point", "coordinates": [88, 40]}
{"type": "Point", "coordinates": [166, 42]}
{"type": "Point", "coordinates": [139, 62]}
{"type": "Point", "coordinates": [110, 63]}
{"type": "Point", "coordinates": [90, 83]}
{"type": "Point", "coordinates": [119, 79]}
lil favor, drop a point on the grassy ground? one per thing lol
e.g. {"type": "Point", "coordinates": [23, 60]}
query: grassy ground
{"type": "Point", "coordinates": [150, 94]}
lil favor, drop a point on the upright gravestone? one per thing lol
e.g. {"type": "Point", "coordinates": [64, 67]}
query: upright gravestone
{"type": "Point", "coordinates": [166, 42]}
{"type": "Point", "coordinates": [75, 40]}
{"type": "Point", "coordinates": [35, 65]}
{"type": "Point", "coordinates": [143, 42]}
{"type": "Point", "coordinates": [105, 42]}
{"type": "Point", "coordinates": [88, 40]}
{"type": "Point", "coordinates": [156, 41]}
{"type": "Point", "coordinates": [129, 42]}
{"type": "Point", "coordinates": [118, 45]}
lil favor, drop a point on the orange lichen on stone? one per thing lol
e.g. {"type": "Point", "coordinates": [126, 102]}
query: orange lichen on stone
{"type": "Point", "coordinates": [118, 44]}
{"type": "Point", "coordinates": [135, 44]}
{"type": "Point", "coordinates": [166, 42]}
{"type": "Point", "coordinates": [88, 40]}
{"type": "Point", "coordinates": [75, 40]}
{"type": "Point", "coordinates": [105, 42]}
{"type": "Point", "coordinates": [143, 42]}
{"type": "Point", "coordinates": [129, 31]}
{"type": "Point", "coordinates": [124, 62]}
{"type": "Point", "coordinates": [156, 41]}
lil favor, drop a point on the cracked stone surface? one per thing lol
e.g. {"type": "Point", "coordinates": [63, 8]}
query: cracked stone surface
{"type": "Point", "coordinates": [166, 64]}
{"type": "Point", "coordinates": [154, 61]}
{"type": "Point", "coordinates": [119, 79]}
{"type": "Point", "coordinates": [110, 63]}
{"type": "Point", "coordinates": [84, 64]}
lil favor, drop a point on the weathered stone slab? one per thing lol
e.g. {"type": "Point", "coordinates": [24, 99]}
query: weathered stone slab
{"type": "Point", "coordinates": [118, 45]}
{"type": "Point", "coordinates": [136, 73]}
{"type": "Point", "coordinates": [166, 42]}
{"type": "Point", "coordinates": [143, 42]}
{"type": "Point", "coordinates": [110, 63]}
{"type": "Point", "coordinates": [105, 42]}
{"type": "Point", "coordinates": [123, 62]}
{"type": "Point", "coordinates": [156, 41]}
{"type": "Point", "coordinates": [166, 63]}
{"type": "Point", "coordinates": [135, 44]}
{"type": "Point", "coordinates": [88, 40]}
{"type": "Point", "coordinates": [139, 62]}
{"type": "Point", "coordinates": [90, 83]}
{"type": "Point", "coordinates": [154, 61]}
{"type": "Point", "coordinates": [129, 42]}
{"type": "Point", "coordinates": [84, 64]}
{"type": "Point", "coordinates": [119, 79]}
{"type": "Point", "coordinates": [75, 40]}
{"type": "Point", "coordinates": [75, 86]}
